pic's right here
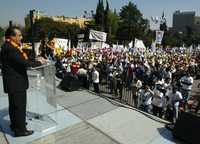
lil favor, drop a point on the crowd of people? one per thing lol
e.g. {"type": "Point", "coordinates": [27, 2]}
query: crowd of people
{"type": "Point", "coordinates": [160, 82]}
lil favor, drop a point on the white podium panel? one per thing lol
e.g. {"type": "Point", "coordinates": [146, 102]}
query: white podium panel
{"type": "Point", "coordinates": [41, 97]}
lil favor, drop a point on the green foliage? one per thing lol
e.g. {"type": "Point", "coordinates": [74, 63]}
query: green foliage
{"type": "Point", "coordinates": [132, 24]}
{"type": "Point", "coordinates": [130, 14]}
{"type": "Point", "coordinates": [105, 20]}
{"type": "Point", "coordinates": [46, 27]}
{"type": "Point", "coordinates": [99, 16]}
{"type": "Point", "coordinates": [106, 17]}
{"type": "Point", "coordinates": [112, 26]}
{"type": "Point", "coordinates": [172, 39]}
{"type": "Point", "coordinates": [196, 38]}
{"type": "Point", "coordinates": [1, 32]}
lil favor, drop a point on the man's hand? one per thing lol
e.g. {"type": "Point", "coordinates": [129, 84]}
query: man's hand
{"type": "Point", "coordinates": [41, 60]}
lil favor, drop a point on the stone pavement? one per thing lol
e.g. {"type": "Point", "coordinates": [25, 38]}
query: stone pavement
{"type": "Point", "coordinates": [85, 118]}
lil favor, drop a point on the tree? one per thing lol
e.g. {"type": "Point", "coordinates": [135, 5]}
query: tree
{"type": "Point", "coordinates": [99, 17]}
{"type": "Point", "coordinates": [172, 39]}
{"type": "Point", "coordinates": [196, 38]}
{"type": "Point", "coordinates": [106, 17]}
{"type": "Point", "coordinates": [1, 35]}
{"type": "Point", "coordinates": [46, 27]}
{"type": "Point", "coordinates": [112, 22]}
{"type": "Point", "coordinates": [132, 23]}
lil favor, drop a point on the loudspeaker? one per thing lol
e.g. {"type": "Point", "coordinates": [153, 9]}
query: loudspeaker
{"type": "Point", "coordinates": [69, 83]}
{"type": "Point", "coordinates": [187, 128]}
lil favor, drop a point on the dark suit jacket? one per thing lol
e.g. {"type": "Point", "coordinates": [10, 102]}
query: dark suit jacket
{"type": "Point", "coordinates": [14, 69]}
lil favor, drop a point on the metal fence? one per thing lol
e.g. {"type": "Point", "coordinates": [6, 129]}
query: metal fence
{"type": "Point", "coordinates": [123, 94]}
{"type": "Point", "coordinates": [126, 93]}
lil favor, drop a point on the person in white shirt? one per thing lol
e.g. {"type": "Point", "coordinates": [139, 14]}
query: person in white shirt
{"type": "Point", "coordinates": [167, 84]}
{"type": "Point", "coordinates": [168, 74]}
{"type": "Point", "coordinates": [145, 97]}
{"type": "Point", "coordinates": [137, 84]}
{"type": "Point", "coordinates": [186, 83]}
{"type": "Point", "coordinates": [158, 100]}
{"type": "Point", "coordinates": [82, 71]}
{"type": "Point", "coordinates": [174, 98]}
{"type": "Point", "coordinates": [95, 79]}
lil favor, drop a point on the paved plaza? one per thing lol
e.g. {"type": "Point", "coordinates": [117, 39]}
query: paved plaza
{"type": "Point", "coordinates": [81, 117]}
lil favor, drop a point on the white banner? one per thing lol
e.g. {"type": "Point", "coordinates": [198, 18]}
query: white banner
{"type": "Point", "coordinates": [159, 37]}
{"type": "Point", "coordinates": [130, 45]}
{"type": "Point", "coordinates": [80, 36]}
{"type": "Point", "coordinates": [139, 45]}
{"type": "Point", "coordinates": [97, 35]}
{"type": "Point", "coordinates": [61, 43]}
{"type": "Point", "coordinates": [117, 48]}
{"type": "Point", "coordinates": [37, 47]}
{"type": "Point", "coordinates": [105, 45]}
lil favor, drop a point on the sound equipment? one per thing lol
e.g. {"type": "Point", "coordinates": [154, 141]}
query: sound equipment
{"type": "Point", "coordinates": [187, 128]}
{"type": "Point", "coordinates": [70, 83]}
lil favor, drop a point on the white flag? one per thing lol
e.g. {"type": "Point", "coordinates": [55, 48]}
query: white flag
{"type": "Point", "coordinates": [153, 47]}
{"type": "Point", "coordinates": [190, 50]}
{"type": "Point", "coordinates": [130, 44]}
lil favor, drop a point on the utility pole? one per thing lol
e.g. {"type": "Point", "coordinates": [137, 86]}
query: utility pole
{"type": "Point", "coordinates": [32, 32]}
{"type": "Point", "coordinates": [10, 24]}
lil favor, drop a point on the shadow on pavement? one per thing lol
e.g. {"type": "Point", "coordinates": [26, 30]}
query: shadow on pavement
{"type": "Point", "coordinates": [167, 134]}
{"type": "Point", "coordinates": [4, 122]}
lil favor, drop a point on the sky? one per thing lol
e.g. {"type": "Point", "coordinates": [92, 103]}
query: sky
{"type": "Point", "coordinates": [16, 10]}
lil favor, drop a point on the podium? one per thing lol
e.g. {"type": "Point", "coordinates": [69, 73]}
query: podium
{"type": "Point", "coordinates": [41, 97]}
{"type": "Point", "coordinates": [44, 115]}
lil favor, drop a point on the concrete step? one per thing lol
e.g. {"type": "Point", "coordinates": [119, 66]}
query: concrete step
{"type": "Point", "coordinates": [81, 133]}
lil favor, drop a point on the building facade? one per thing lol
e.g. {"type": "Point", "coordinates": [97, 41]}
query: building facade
{"type": "Point", "coordinates": [184, 21]}
{"type": "Point", "coordinates": [70, 20]}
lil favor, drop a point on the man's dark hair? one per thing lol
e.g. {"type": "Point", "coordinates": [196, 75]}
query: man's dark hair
{"type": "Point", "coordinates": [11, 31]}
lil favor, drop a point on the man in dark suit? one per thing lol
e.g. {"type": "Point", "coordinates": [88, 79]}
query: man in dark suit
{"type": "Point", "coordinates": [15, 80]}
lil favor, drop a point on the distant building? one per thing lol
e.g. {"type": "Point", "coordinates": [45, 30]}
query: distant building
{"type": "Point", "coordinates": [186, 20]}
{"type": "Point", "coordinates": [70, 20]}
{"type": "Point", "coordinates": [183, 20]}
{"type": "Point", "coordinates": [196, 26]}
{"type": "Point", "coordinates": [77, 20]}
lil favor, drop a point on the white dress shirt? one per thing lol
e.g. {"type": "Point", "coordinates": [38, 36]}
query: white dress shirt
{"type": "Point", "coordinates": [95, 76]}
